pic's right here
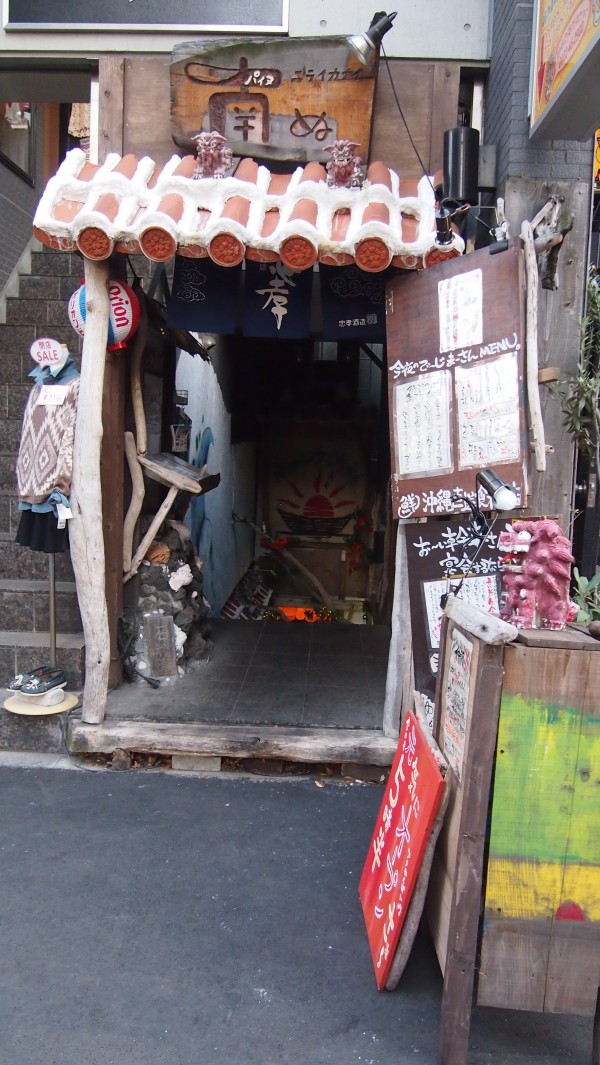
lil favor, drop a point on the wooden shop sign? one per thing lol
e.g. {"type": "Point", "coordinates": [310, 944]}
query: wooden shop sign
{"type": "Point", "coordinates": [272, 99]}
{"type": "Point", "coordinates": [456, 382]}
{"type": "Point", "coordinates": [403, 827]}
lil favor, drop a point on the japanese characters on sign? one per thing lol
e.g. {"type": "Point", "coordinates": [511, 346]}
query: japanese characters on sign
{"type": "Point", "coordinates": [352, 303]}
{"type": "Point", "coordinates": [440, 557]}
{"type": "Point", "coordinates": [410, 803]}
{"type": "Point", "coordinates": [277, 301]}
{"type": "Point", "coordinates": [456, 383]}
{"type": "Point", "coordinates": [270, 98]}
{"type": "Point", "coordinates": [455, 704]}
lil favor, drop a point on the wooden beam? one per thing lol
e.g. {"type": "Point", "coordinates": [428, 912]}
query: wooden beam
{"type": "Point", "coordinates": [365, 746]}
{"type": "Point", "coordinates": [86, 532]}
{"type": "Point", "coordinates": [111, 91]}
{"type": "Point", "coordinates": [489, 629]}
{"type": "Point", "coordinates": [137, 498]}
{"type": "Point", "coordinates": [111, 473]}
{"type": "Point", "coordinates": [531, 306]}
{"type": "Point", "coordinates": [400, 674]}
{"type": "Point", "coordinates": [559, 318]}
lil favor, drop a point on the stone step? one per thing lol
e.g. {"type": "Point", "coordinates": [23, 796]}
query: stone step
{"type": "Point", "coordinates": [20, 652]}
{"type": "Point", "coordinates": [44, 314]}
{"type": "Point", "coordinates": [21, 563]}
{"type": "Point", "coordinates": [24, 606]}
{"type": "Point", "coordinates": [57, 264]}
{"type": "Point", "coordinates": [16, 340]}
{"type": "Point", "coordinates": [47, 287]}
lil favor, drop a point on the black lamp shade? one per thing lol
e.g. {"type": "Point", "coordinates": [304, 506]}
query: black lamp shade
{"type": "Point", "coordinates": [461, 165]}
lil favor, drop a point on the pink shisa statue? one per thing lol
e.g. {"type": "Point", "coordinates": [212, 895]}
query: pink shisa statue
{"type": "Point", "coordinates": [536, 574]}
{"type": "Point", "coordinates": [344, 169]}
{"type": "Point", "coordinates": [213, 155]}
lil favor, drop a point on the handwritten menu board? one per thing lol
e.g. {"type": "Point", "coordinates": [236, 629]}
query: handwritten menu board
{"type": "Point", "coordinates": [456, 381]}
{"type": "Point", "coordinates": [403, 826]}
{"type": "Point", "coordinates": [439, 553]}
{"type": "Point", "coordinates": [456, 701]}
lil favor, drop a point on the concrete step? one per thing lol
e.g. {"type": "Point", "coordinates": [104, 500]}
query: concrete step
{"type": "Point", "coordinates": [24, 606]}
{"type": "Point", "coordinates": [23, 651]}
{"type": "Point", "coordinates": [21, 563]}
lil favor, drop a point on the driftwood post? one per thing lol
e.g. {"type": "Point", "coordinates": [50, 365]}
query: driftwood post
{"type": "Point", "coordinates": [86, 532]}
{"type": "Point", "coordinates": [400, 675]}
{"type": "Point", "coordinates": [533, 389]}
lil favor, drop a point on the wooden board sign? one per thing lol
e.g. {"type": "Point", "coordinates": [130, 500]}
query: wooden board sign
{"type": "Point", "coordinates": [456, 381]}
{"type": "Point", "coordinates": [272, 99]}
{"type": "Point", "coordinates": [403, 826]}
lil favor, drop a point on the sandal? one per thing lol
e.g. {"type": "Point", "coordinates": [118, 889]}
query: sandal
{"type": "Point", "coordinates": [24, 678]}
{"type": "Point", "coordinates": [52, 677]}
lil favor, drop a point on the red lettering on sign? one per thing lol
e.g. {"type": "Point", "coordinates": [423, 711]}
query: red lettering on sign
{"type": "Point", "coordinates": [410, 803]}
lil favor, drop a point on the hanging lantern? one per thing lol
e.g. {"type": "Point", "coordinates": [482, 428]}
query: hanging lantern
{"type": "Point", "coordinates": [123, 317]}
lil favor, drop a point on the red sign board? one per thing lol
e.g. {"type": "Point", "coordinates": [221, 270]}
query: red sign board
{"type": "Point", "coordinates": [407, 813]}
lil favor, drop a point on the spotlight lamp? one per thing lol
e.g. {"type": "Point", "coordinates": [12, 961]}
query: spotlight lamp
{"type": "Point", "coordinates": [366, 45]}
{"type": "Point", "coordinates": [443, 227]}
{"type": "Point", "coordinates": [502, 495]}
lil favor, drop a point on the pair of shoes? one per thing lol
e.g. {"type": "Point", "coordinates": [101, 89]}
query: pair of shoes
{"type": "Point", "coordinates": [39, 684]}
{"type": "Point", "coordinates": [24, 678]}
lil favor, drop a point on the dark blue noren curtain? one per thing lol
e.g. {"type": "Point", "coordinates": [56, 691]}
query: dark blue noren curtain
{"type": "Point", "coordinates": [352, 303]}
{"type": "Point", "coordinates": [277, 301]}
{"type": "Point", "coordinates": [204, 296]}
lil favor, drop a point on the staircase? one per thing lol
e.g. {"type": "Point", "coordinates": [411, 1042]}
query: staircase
{"type": "Point", "coordinates": [34, 305]}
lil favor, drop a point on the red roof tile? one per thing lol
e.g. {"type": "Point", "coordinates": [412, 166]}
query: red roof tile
{"type": "Point", "coordinates": [131, 205]}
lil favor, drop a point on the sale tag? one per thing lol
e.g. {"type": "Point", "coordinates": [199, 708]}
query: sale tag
{"type": "Point", "coordinates": [47, 352]}
{"type": "Point", "coordinates": [52, 395]}
{"type": "Point", "coordinates": [64, 514]}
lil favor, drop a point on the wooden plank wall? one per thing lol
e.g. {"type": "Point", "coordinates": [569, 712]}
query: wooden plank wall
{"type": "Point", "coordinates": [560, 313]}
{"type": "Point", "coordinates": [428, 95]}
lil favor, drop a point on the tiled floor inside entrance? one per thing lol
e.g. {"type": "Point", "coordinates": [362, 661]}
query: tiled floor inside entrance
{"type": "Point", "coordinates": [274, 673]}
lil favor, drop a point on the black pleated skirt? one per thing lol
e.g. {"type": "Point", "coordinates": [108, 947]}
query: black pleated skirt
{"type": "Point", "coordinates": [41, 533]}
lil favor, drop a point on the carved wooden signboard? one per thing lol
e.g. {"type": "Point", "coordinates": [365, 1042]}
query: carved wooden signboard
{"type": "Point", "coordinates": [272, 99]}
{"type": "Point", "coordinates": [408, 810]}
{"type": "Point", "coordinates": [455, 379]}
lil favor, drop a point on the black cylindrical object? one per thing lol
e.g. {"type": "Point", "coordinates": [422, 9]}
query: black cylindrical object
{"type": "Point", "coordinates": [461, 164]}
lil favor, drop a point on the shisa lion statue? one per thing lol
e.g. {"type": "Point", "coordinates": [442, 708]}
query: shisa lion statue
{"type": "Point", "coordinates": [536, 575]}
{"type": "Point", "coordinates": [213, 156]}
{"type": "Point", "coordinates": [344, 169]}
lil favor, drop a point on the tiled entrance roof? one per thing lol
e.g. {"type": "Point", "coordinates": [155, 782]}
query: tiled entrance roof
{"type": "Point", "coordinates": [131, 205]}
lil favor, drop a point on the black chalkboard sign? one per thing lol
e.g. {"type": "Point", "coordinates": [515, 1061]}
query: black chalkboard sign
{"type": "Point", "coordinates": [191, 15]}
{"type": "Point", "coordinates": [439, 554]}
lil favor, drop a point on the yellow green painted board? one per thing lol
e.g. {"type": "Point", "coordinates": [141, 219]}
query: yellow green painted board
{"type": "Point", "coordinates": [547, 783]}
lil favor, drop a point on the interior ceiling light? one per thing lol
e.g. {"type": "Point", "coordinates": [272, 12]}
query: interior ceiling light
{"type": "Point", "coordinates": [366, 45]}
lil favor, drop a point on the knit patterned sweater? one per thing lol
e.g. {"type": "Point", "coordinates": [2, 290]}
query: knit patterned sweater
{"type": "Point", "coordinates": [45, 461]}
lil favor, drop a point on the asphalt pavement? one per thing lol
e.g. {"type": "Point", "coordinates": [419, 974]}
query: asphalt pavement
{"type": "Point", "coordinates": [156, 918]}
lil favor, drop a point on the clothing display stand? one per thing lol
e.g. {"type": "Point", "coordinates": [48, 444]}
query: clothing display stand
{"type": "Point", "coordinates": [53, 361]}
